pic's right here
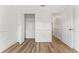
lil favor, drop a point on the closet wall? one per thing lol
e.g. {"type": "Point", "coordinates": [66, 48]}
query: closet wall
{"type": "Point", "coordinates": [29, 25]}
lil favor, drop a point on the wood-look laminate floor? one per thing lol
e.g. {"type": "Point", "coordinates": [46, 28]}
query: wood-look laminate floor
{"type": "Point", "coordinates": [30, 46]}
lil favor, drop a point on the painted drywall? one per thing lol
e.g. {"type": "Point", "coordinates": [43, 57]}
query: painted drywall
{"type": "Point", "coordinates": [12, 24]}
{"type": "Point", "coordinates": [8, 27]}
{"type": "Point", "coordinates": [42, 22]}
{"type": "Point", "coordinates": [29, 25]}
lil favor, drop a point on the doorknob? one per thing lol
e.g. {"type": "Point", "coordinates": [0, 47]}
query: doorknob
{"type": "Point", "coordinates": [70, 29]}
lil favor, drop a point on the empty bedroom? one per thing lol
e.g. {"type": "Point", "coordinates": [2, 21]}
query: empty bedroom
{"type": "Point", "coordinates": [39, 28]}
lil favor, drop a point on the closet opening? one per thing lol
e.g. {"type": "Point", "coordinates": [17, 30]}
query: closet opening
{"type": "Point", "coordinates": [29, 26]}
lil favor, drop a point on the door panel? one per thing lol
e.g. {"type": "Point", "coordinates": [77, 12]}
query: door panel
{"type": "Point", "coordinates": [76, 28]}
{"type": "Point", "coordinates": [67, 32]}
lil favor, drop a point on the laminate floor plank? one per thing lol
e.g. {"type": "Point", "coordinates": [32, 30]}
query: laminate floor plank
{"type": "Point", "coordinates": [43, 47]}
{"type": "Point", "coordinates": [30, 46]}
{"type": "Point", "coordinates": [37, 46]}
{"type": "Point", "coordinates": [17, 48]}
{"type": "Point", "coordinates": [52, 49]}
{"type": "Point", "coordinates": [11, 48]}
{"type": "Point", "coordinates": [23, 46]}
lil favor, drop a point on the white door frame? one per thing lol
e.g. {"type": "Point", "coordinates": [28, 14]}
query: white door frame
{"type": "Point", "coordinates": [21, 28]}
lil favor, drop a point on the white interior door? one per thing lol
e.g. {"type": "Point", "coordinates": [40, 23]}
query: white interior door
{"type": "Point", "coordinates": [76, 28]}
{"type": "Point", "coordinates": [67, 28]}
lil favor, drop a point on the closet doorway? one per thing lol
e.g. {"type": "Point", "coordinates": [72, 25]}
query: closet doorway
{"type": "Point", "coordinates": [29, 26]}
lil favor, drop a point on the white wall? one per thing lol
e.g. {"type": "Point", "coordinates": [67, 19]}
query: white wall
{"type": "Point", "coordinates": [29, 25]}
{"type": "Point", "coordinates": [43, 26]}
{"type": "Point", "coordinates": [42, 22]}
{"type": "Point", "coordinates": [8, 27]}
{"type": "Point", "coordinates": [12, 23]}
